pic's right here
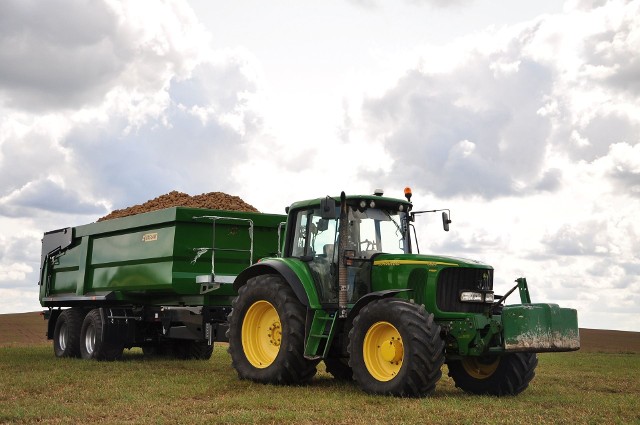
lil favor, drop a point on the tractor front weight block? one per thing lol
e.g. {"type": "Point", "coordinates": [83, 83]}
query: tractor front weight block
{"type": "Point", "coordinates": [540, 328]}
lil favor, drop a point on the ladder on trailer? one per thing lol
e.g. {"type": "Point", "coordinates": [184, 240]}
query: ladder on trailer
{"type": "Point", "coordinates": [211, 282]}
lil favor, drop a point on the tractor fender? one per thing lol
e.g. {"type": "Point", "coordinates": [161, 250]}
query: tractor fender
{"type": "Point", "coordinates": [366, 299]}
{"type": "Point", "coordinates": [293, 271]}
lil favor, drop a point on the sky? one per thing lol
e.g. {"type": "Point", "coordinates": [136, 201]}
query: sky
{"type": "Point", "coordinates": [522, 118]}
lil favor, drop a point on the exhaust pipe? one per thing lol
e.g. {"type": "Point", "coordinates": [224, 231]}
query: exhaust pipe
{"type": "Point", "coordinates": [342, 264]}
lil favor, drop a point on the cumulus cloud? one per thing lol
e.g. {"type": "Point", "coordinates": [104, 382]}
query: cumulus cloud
{"type": "Point", "coordinates": [623, 166]}
{"type": "Point", "coordinates": [583, 239]}
{"type": "Point", "coordinates": [47, 195]}
{"type": "Point", "coordinates": [470, 131]}
{"type": "Point", "coordinates": [17, 260]}
{"type": "Point", "coordinates": [484, 125]}
{"type": "Point", "coordinates": [58, 53]}
{"type": "Point", "coordinates": [138, 101]}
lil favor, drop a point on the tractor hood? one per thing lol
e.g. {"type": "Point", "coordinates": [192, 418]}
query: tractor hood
{"type": "Point", "coordinates": [426, 260]}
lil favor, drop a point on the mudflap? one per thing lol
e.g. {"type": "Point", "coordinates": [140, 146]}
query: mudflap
{"type": "Point", "coordinates": [540, 328]}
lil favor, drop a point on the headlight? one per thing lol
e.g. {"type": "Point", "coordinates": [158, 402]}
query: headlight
{"type": "Point", "coordinates": [471, 297]}
{"type": "Point", "coordinates": [476, 297]}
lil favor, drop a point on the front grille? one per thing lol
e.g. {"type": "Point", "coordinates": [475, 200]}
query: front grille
{"type": "Point", "coordinates": [453, 280]}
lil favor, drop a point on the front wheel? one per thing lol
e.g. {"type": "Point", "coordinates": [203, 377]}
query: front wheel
{"type": "Point", "coordinates": [508, 374]}
{"type": "Point", "coordinates": [395, 348]}
{"type": "Point", "coordinates": [266, 333]}
{"type": "Point", "coordinates": [94, 343]}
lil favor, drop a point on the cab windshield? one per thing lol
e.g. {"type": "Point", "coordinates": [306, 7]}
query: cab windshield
{"type": "Point", "coordinates": [370, 231]}
{"type": "Point", "coordinates": [376, 230]}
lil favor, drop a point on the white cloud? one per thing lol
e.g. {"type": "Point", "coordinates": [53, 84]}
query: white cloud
{"type": "Point", "coordinates": [14, 271]}
{"type": "Point", "coordinates": [172, 114]}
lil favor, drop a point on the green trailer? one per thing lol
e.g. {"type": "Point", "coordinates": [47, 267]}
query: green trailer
{"type": "Point", "coordinates": [161, 280]}
{"type": "Point", "coordinates": [338, 279]}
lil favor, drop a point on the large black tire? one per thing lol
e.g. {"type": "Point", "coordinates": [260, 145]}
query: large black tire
{"type": "Point", "coordinates": [94, 343]}
{"type": "Point", "coordinates": [508, 374]}
{"type": "Point", "coordinates": [193, 350]}
{"type": "Point", "coordinates": [158, 349]}
{"type": "Point", "coordinates": [266, 333]}
{"type": "Point", "coordinates": [395, 349]}
{"type": "Point", "coordinates": [179, 349]}
{"type": "Point", "coordinates": [66, 334]}
{"type": "Point", "coordinates": [339, 368]}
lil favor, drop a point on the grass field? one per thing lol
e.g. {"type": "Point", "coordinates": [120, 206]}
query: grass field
{"type": "Point", "coordinates": [581, 387]}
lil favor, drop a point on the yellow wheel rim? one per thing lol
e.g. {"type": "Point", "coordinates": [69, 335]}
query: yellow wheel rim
{"type": "Point", "coordinates": [383, 351]}
{"type": "Point", "coordinates": [261, 334]}
{"type": "Point", "coordinates": [480, 368]}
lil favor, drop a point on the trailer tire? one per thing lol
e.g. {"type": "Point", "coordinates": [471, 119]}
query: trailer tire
{"type": "Point", "coordinates": [94, 343]}
{"type": "Point", "coordinates": [66, 335]}
{"type": "Point", "coordinates": [339, 368]}
{"type": "Point", "coordinates": [395, 349]}
{"type": "Point", "coordinates": [508, 374]}
{"type": "Point", "coordinates": [267, 333]}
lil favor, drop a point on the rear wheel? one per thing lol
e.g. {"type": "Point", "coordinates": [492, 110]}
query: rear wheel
{"type": "Point", "coordinates": [508, 374]}
{"type": "Point", "coordinates": [339, 368]}
{"type": "Point", "coordinates": [266, 333]}
{"type": "Point", "coordinates": [395, 348]}
{"type": "Point", "coordinates": [94, 343]}
{"type": "Point", "coordinates": [193, 350]}
{"type": "Point", "coordinates": [66, 335]}
{"type": "Point", "coordinates": [179, 349]}
{"type": "Point", "coordinates": [157, 349]}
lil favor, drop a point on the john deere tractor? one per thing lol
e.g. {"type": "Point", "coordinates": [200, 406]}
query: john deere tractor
{"type": "Point", "coordinates": [350, 289]}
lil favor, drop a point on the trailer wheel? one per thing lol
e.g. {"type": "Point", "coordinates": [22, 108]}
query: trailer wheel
{"type": "Point", "coordinates": [266, 333]}
{"type": "Point", "coordinates": [508, 374]}
{"type": "Point", "coordinates": [395, 349]}
{"type": "Point", "coordinates": [94, 343]}
{"type": "Point", "coordinates": [66, 335]}
{"type": "Point", "coordinates": [339, 368]}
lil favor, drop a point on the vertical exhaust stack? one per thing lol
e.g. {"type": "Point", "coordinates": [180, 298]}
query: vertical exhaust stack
{"type": "Point", "coordinates": [342, 264]}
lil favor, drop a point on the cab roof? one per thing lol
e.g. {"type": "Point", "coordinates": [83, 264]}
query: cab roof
{"type": "Point", "coordinates": [380, 201]}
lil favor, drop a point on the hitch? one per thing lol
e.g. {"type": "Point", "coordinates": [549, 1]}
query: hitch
{"type": "Point", "coordinates": [523, 288]}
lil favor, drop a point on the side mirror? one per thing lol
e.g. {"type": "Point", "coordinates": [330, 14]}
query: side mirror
{"type": "Point", "coordinates": [328, 209]}
{"type": "Point", "coordinates": [445, 221]}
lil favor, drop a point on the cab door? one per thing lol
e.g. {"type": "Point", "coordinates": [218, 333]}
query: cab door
{"type": "Point", "coordinates": [314, 242]}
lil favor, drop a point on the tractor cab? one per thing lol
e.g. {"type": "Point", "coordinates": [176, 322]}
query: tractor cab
{"type": "Point", "coordinates": [375, 225]}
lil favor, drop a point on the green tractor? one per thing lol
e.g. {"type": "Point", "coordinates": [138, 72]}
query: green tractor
{"type": "Point", "coordinates": [350, 289]}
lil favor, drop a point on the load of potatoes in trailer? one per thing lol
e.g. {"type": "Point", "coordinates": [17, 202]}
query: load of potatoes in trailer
{"type": "Point", "coordinates": [210, 201]}
{"type": "Point", "coordinates": [338, 279]}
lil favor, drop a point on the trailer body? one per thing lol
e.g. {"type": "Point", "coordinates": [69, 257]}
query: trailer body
{"type": "Point", "coordinates": [170, 272]}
